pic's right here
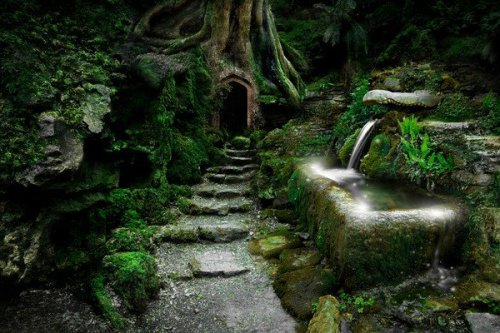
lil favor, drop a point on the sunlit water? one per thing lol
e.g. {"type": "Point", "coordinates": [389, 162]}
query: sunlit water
{"type": "Point", "coordinates": [377, 195]}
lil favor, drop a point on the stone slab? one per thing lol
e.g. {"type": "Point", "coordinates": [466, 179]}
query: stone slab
{"type": "Point", "coordinates": [216, 263]}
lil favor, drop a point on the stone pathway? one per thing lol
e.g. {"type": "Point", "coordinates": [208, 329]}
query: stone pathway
{"type": "Point", "coordinates": [213, 284]}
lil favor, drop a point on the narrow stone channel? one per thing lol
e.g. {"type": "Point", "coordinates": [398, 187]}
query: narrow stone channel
{"type": "Point", "coordinates": [214, 284]}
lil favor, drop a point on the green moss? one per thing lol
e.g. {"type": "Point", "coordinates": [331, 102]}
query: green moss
{"type": "Point", "coordinates": [133, 277]}
{"type": "Point", "coordinates": [346, 151]}
{"type": "Point", "coordinates": [105, 303]}
{"type": "Point", "coordinates": [188, 157]}
{"type": "Point", "coordinates": [240, 142]}
{"type": "Point", "coordinates": [379, 162]}
{"type": "Point", "coordinates": [455, 107]}
{"type": "Point", "coordinates": [491, 107]}
{"type": "Point", "coordinates": [131, 239]}
{"type": "Point", "coordinates": [327, 316]}
{"type": "Point", "coordinates": [357, 113]}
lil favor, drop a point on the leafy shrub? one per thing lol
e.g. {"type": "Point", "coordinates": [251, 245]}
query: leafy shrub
{"type": "Point", "coordinates": [455, 107]}
{"type": "Point", "coordinates": [240, 142]}
{"type": "Point", "coordinates": [422, 161]}
{"type": "Point", "coordinates": [412, 43]}
{"type": "Point", "coordinates": [357, 113]}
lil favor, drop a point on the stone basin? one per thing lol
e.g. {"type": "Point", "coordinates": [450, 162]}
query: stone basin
{"type": "Point", "coordinates": [374, 233]}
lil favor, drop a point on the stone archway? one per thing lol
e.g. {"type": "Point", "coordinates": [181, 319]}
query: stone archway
{"type": "Point", "coordinates": [236, 81]}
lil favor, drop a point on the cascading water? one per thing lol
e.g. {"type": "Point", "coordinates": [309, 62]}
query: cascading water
{"type": "Point", "coordinates": [360, 144]}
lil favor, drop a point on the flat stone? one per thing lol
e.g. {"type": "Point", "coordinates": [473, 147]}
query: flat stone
{"type": "Point", "coordinates": [241, 160]}
{"type": "Point", "coordinates": [230, 179]}
{"type": "Point", "coordinates": [233, 169]}
{"type": "Point", "coordinates": [216, 263]}
{"type": "Point", "coordinates": [220, 206]}
{"type": "Point", "coordinates": [222, 191]}
{"type": "Point", "coordinates": [241, 152]}
{"type": "Point", "coordinates": [483, 322]}
{"type": "Point", "coordinates": [274, 244]}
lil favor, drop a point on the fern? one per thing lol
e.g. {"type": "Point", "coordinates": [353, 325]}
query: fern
{"type": "Point", "coordinates": [422, 161]}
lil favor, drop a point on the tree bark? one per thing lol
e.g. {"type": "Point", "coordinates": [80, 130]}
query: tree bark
{"type": "Point", "coordinates": [238, 33]}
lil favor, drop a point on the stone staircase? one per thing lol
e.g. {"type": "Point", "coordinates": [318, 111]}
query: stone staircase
{"type": "Point", "coordinates": [212, 283]}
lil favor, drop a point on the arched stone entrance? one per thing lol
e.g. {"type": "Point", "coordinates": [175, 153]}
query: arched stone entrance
{"type": "Point", "coordinates": [240, 105]}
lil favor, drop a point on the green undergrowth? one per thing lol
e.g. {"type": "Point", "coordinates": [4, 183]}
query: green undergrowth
{"type": "Point", "coordinates": [133, 277]}
{"type": "Point", "coordinates": [455, 107]}
{"type": "Point", "coordinates": [357, 113]}
{"type": "Point", "coordinates": [423, 161]}
{"type": "Point", "coordinates": [281, 149]}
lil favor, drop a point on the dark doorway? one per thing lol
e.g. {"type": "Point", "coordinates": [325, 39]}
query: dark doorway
{"type": "Point", "coordinates": [233, 117]}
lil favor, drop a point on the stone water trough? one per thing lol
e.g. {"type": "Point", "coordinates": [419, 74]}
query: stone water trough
{"type": "Point", "coordinates": [375, 233]}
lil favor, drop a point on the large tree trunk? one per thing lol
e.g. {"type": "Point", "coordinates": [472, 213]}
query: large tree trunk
{"type": "Point", "coordinates": [233, 33]}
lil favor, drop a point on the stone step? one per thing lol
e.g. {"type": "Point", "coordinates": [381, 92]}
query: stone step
{"type": "Point", "coordinates": [213, 263]}
{"type": "Point", "coordinates": [241, 160]}
{"type": "Point", "coordinates": [200, 206]}
{"type": "Point", "coordinates": [217, 229]}
{"type": "Point", "coordinates": [221, 178]}
{"type": "Point", "coordinates": [223, 191]}
{"type": "Point", "coordinates": [240, 152]}
{"type": "Point", "coordinates": [233, 169]}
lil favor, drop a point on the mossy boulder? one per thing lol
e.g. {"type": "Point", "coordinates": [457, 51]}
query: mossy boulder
{"type": "Point", "coordinates": [345, 151]}
{"type": "Point", "coordinates": [241, 142]}
{"type": "Point", "coordinates": [327, 318]}
{"type": "Point", "coordinates": [273, 244]}
{"type": "Point", "coordinates": [475, 292]}
{"type": "Point", "coordinates": [379, 161]}
{"type": "Point", "coordinates": [294, 259]}
{"type": "Point", "coordinates": [299, 288]}
{"type": "Point", "coordinates": [131, 239]}
{"type": "Point", "coordinates": [132, 275]}
{"type": "Point", "coordinates": [455, 107]}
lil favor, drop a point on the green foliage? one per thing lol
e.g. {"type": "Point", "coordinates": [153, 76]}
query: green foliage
{"type": "Point", "coordinates": [359, 303]}
{"type": "Point", "coordinates": [20, 144]}
{"type": "Point", "coordinates": [412, 43]}
{"type": "Point", "coordinates": [133, 276]}
{"type": "Point", "coordinates": [455, 107]}
{"type": "Point", "coordinates": [422, 161]}
{"type": "Point", "coordinates": [491, 107]}
{"type": "Point", "coordinates": [292, 31]}
{"type": "Point", "coordinates": [346, 151]}
{"type": "Point", "coordinates": [463, 49]}
{"type": "Point", "coordinates": [187, 158]}
{"type": "Point", "coordinates": [343, 28]}
{"type": "Point", "coordinates": [240, 142]}
{"type": "Point", "coordinates": [357, 113]}
{"type": "Point", "coordinates": [105, 303]}
{"type": "Point", "coordinates": [131, 239]}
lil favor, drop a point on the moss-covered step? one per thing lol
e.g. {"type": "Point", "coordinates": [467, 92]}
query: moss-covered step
{"type": "Point", "coordinates": [241, 152]}
{"type": "Point", "coordinates": [234, 160]}
{"type": "Point", "coordinates": [366, 246]}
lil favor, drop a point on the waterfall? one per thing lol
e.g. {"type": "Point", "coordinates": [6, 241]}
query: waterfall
{"type": "Point", "coordinates": [360, 144]}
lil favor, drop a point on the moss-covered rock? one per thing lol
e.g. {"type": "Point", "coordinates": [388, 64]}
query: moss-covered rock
{"type": "Point", "coordinates": [327, 318]}
{"type": "Point", "coordinates": [241, 142]}
{"type": "Point", "coordinates": [273, 244]}
{"type": "Point", "coordinates": [293, 259]}
{"type": "Point", "coordinates": [346, 151]}
{"type": "Point", "coordinates": [132, 275]}
{"type": "Point", "coordinates": [299, 288]}
{"type": "Point", "coordinates": [105, 302]}
{"type": "Point", "coordinates": [455, 107]}
{"type": "Point", "coordinates": [131, 239]}
{"type": "Point", "coordinates": [379, 161]}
